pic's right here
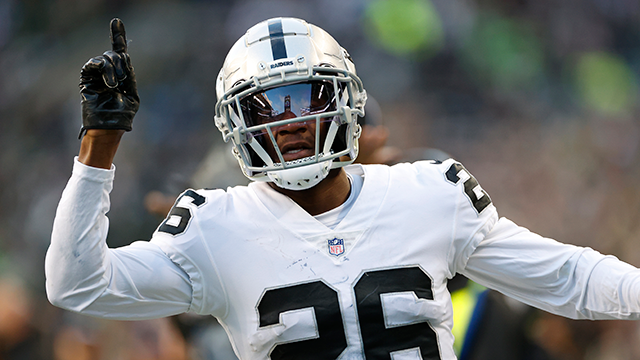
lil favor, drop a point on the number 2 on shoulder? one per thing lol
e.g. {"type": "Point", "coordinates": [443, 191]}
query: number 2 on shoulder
{"type": "Point", "coordinates": [478, 197]}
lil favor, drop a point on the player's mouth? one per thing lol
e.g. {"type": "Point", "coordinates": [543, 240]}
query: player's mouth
{"type": "Point", "coordinates": [296, 151]}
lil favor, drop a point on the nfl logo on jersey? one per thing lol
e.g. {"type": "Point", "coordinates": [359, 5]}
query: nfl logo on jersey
{"type": "Point", "coordinates": [336, 246]}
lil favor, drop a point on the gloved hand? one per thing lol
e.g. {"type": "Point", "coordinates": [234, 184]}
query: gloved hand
{"type": "Point", "coordinates": [108, 86]}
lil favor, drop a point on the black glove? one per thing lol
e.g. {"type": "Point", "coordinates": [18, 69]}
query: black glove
{"type": "Point", "coordinates": [108, 86]}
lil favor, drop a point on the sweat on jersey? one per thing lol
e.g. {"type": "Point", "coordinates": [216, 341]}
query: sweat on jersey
{"type": "Point", "coordinates": [284, 285]}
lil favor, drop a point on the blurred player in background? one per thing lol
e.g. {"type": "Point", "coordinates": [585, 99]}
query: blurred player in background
{"type": "Point", "coordinates": [316, 258]}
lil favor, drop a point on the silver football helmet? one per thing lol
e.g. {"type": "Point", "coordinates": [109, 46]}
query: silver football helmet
{"type": "Point", "coordinates": [285, 73]}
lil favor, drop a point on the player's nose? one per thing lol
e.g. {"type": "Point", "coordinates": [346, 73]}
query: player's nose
{"type": "Point", "coordinates": [294, 127]}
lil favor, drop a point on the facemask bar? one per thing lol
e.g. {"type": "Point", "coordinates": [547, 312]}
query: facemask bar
{"type": "Point", "coordinates": [267, 129]}
{"type": "Point", "coordinates": [349, 104]}
{"type": "Point", "coordinates": [282, 164]}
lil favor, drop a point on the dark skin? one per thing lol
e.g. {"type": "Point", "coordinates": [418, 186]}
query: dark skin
{"type": "Point", "coordinates": [98, 148]}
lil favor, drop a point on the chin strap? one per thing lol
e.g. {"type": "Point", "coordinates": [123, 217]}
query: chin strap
{"type": "Point", "coordinates": [301, 178]}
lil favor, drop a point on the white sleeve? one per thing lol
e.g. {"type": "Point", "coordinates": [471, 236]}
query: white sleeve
{"type": "Point", "coordinates": [138, 281]}
{"type": "Point", "coordinates": [563, 279]}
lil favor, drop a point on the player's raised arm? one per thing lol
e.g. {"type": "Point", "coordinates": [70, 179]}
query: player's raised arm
{"type": "Point", "coordinates": [109, 100]}
{"type": "Point", "coordinates": [82, 273]}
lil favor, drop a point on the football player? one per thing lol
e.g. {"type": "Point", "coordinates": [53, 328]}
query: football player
{"type": "Point", "coordinates": [317, 258]}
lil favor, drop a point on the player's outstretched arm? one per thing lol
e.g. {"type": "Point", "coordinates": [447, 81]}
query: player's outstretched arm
{"type": "Point", "coordinates": [563, 279]}
{"type": "Point", "coordinates": [109, 100]}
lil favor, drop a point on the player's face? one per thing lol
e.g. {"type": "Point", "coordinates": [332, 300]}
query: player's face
{"type": "Point", "coordinates": [294, 139]}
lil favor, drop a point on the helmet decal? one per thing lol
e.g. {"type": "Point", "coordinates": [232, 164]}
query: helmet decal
{"type": "Point", "coordinates": [276, 37]}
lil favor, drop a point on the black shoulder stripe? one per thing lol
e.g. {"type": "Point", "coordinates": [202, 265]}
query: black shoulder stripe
{"type": "Point", "coordinates": [276, 35]}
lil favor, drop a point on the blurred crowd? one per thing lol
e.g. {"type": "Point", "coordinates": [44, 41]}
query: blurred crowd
{"type": "Point", "coordinates": [539, 100]}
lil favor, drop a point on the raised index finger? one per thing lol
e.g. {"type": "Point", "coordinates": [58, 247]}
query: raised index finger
{"type": "Point", "coordinates": [118, 36]}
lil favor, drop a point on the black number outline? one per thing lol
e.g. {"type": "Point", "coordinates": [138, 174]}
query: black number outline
{"type": "Point", "coordinates": [394, 281]}
{"type": "Point", "coordinates": [427, 343]}
{"type": "Point", "coordinates": [479, 204]}
{"type": "Point", "coordinates": [183, 212]}
{"type": "Point", "coordinates": [282, 303]}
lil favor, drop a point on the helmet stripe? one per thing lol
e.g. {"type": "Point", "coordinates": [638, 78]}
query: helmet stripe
{"type": "Point", "coordinates": [276, 35]}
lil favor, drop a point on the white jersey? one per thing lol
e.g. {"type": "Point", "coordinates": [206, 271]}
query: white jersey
{"type": "Point", "coordinates": [286, 286]}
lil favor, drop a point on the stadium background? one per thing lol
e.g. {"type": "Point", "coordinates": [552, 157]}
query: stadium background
{"type": "Point", "coordinates": [539, 100]}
